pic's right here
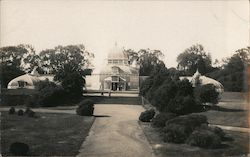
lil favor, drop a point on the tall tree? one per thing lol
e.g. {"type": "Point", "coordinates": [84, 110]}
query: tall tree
{"type": "Point", "coordinates": [194, 58]}
{"type": "Point", "coordinates": [68, 64]}
{"type": "Point", "coordinates": [12, 62]}
{"type": "Point", "coordinates": [233, 72]}
{"type": "Point", "coordinates": [52, 60]}
{"type": "Point", "coordinates": [149, 60]}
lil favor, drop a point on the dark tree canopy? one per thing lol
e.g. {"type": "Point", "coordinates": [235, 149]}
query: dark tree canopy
{"type": "Point", "coordinates": [194, 58]}
{"type": "Point", "coordinates": [239, 60]}
{"type": "Point", "coordinates": [149, 60]}
{"type": "Point", "coordinates": [12, 62]}
{"type": "Point", "coordinates": [233, 73]}
{"type": "Point", "coordinates": [52, 60]}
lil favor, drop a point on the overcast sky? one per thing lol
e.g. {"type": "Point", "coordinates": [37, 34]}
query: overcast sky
{"type": "Point", "coordinates": [170, 26]}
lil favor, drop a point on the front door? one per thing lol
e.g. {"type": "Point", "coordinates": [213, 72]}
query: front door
{"type": "Point", "coordinates": [114, 86]}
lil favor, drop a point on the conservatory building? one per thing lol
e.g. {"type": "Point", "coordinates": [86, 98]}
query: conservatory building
{"type": "Point", "coordinates": [119, 74]}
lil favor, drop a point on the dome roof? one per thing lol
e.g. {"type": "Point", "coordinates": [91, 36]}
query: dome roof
{"type": "Point", "coordinates": [117, 53]}
{"type": "Point", "coordinates": [28, 78]}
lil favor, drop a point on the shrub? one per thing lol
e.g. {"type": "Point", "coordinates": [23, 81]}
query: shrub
{"type": "Point", "coordinates": [218, 131]}
{"type": "Point", "coordinates": [31, 114]}
{"type": "Point", "coordinates": [20, 112]}
{"type": "Point", "coordinates": [50, 94]}
{"type": "Point", "coordinates": [163, 95]}
{"type": "Point", "coordinates": [182, 105]}
{"type": "Point", "coordinates": [12, 110]}
{"type": "Point", "coordinates": [85, 108]}
{"type": "Point", "coordinates": [207, 94]}
{"type": "Point", "coordinates": [19, 149]}
{"type": "Point", "coordinates": [27, 110]}
{"type": "Point", "coordinates": [204, 138]}
{"type": "Point", "coordinates": [176, 133]}
{"type": "Point", "coordinates": [31, 101]}
{"type": "Point", "coordinates": [147, 115]}
{"type": "Point", "coordinates": [190, 122]}
{"type": "Point", "coordinates": [160, 119]}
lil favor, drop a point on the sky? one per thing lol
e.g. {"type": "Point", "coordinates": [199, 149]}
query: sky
{"type": "Point", "coordinates": [170, 26]}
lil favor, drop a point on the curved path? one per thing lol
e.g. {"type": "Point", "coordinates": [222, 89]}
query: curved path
{"type": "Point", "coordinates": [116, 132]}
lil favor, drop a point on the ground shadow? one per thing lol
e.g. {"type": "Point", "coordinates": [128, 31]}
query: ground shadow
{"type": "Point", "coordinates": [115, 100]}
{"type": "Point", "coordinates": [101, 116]}
{"type": "Point", "coordinates": [223, 109]}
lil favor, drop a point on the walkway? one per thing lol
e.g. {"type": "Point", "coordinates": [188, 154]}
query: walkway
{"type": "Point", "coordinates": [232, 128]}
{"type": "Point", "coordinates": [116, 132]}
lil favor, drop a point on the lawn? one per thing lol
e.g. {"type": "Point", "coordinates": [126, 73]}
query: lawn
{"type": "Point", "coordinates": [48, 135]}
{"type": "Point", "coordinates": [228, 118]}
{"type": "Point", "coordinates": [239, 146]}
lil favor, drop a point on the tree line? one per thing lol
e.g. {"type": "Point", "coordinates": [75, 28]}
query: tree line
{"type": "Point", "coordinates": [75, 59]}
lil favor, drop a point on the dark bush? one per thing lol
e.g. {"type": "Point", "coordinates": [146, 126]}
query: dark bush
{"type": "Point", "coordinates": [85, 108]}
{"type": "Point", "coordinates": [19, 149]}
{"type": "Point", "coordinates": [31, 114]}
{"type": "Point", "coordinates": [207, 94]}
{"type": "Point", "coordinates": [163, 95]}
{"type": "Point", "coordinates": [190, 122]}
{"type": "Point", "coordinates": [204, 138]}
{"type": "Point", "coordinates": [32, 101]}
{"type": "Point", "coordinates": [162, 118]}
{"type": "Point", "coordinates": [176, 133]}
{"type": "Point", "coordinates": [20, 112]}
{"type": "Point", "coordinates": [147, 115]}
{"type": "Point", "coordinates": [218, 131]}
{"type": "Point", "coordinates": [12, 110]}
{"type": "Point", "coordinates": [182, 105]}
{"type": "Point", "coordinates": [27, 110]}
{"type": "Point", "coordinates": [50, 94]}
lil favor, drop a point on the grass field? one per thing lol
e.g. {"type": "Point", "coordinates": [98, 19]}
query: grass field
{"type": "Point", "coordinates": [228, 118]}
{"type": "Point", "coordinates": [47, 135]}
{"type": "Point", "coordinates": [239, 146]}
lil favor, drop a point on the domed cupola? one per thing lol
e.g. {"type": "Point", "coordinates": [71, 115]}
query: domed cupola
{"type": "Point", "coordinates": [117, 55]}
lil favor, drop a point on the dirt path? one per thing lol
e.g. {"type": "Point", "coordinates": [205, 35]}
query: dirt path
{"type": "Point", "coordinates": [116, 132]}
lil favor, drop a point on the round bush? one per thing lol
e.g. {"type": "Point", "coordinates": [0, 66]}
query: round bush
{"type": "Point", "coordinates": [162, 118]}
{"type": "Point", "coordinates": [12, 110]}
{"type": "Point", "coordinates": [204, 138]}
{"type": "Point", "coordinates": [31, 114]}
{"type": "Point", "coordinates": [20, 112]}
{"type": "Point", "coordinates": [19, 149]}
{"type": "Point", "coordinates": [27, 110]}
{"type": "Point", "coordinates": [147, 115]}
{"type": "Point", "coordinates": [85, 108]}
{"type": "Point", "coordinates": [176, 133]}
{"type": "Point", "coordinates": [207, 94]}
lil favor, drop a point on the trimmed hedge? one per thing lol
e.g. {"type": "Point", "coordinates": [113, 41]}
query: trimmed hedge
{"type": "Point", "coordinates": [207, 94]}
{"type": "Point", "coordinates": [178, 129]}
{"type": "Point", "coordinates": [189, 121]}
{"type": "Point", "coordinates": [176, 133]}
{"type": "Point", "coordinates": [20, 112]}
{"type": "Point", "coordinates": [147, 115]}
{"type": "Point", "coordinates": [85, 108]}
{"type": "Point", "coordinates": [204, 138]}
{"type": "Point", "coordinates": [160, 119]}
{"type": "Point", "coordinates": [12, 110]}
